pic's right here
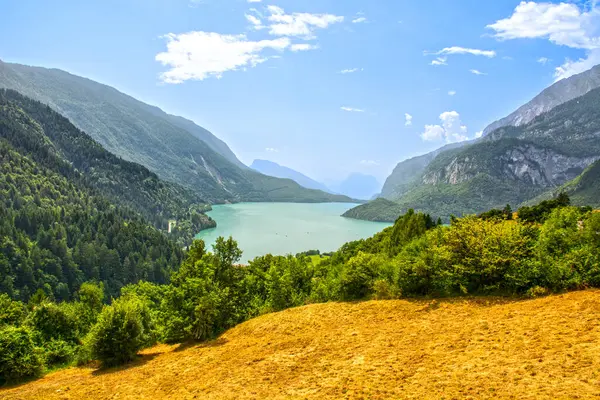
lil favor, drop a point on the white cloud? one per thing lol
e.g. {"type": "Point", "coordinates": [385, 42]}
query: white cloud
{"type": "Point", "coordinates": [271, 150]}
{"type": "Point", "coordinates": [254, 1]}
{"type": "Point", "coordinates": [465, 50]}
{"type": "Point", "coordinates": [408, 119]}
{"type": "Point", "coordinates": [370, 163]}
{"type": "Point", "coordinates": [439, 61]}
{"type": "Point", "coordinates": [255, 21]}
{"type": "Point", "coordinates": [478, 134]}
{"type": "Point", "coordinates": [450, 130]}
{"type": "Point", "coordinates": [302, 25]}
{"type": "Point", "coordinates": [359, 20]}
{"type": "Point", "coordinates": [351, 109]}
{"type": "Point", "coordinates": [200, 55]}
{"type": "Point", "coordinates": [564, 24]}
{"type": "Point", "coordinates": [303, 47]}
{"type": "Point", "coordinates": [451, 92]}
{"type": "Point", "coordinates": [350, 70]}
{"type": "Point", "coordinates": [477, 72]}
{"type": "Point", "coordinates": [543, 60]}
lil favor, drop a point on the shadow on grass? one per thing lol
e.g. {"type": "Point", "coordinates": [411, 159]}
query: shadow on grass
{"type": "Point", "coordinates": [200, 345]}
{"type": "Point", "coordinates": [140, 360]}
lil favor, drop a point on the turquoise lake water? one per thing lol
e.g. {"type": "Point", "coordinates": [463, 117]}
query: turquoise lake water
{"type": "Point", "coordinates": [287, 228]}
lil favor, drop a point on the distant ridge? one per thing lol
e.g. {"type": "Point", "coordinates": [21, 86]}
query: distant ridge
{"type": "Point", "coordinates": [279, 171]}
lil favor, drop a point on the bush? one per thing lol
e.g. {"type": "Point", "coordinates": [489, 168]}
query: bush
{"type": "Point", "coordinates": [52, 321]}
{"type": "Point", "coordinates": [11, 312]}
{"type": "Point", "coordinates": [123, 329]}
{"type": "Point", "coordinates": [18, 356]}
{"type": "Point", "coordinates": [57, 352]}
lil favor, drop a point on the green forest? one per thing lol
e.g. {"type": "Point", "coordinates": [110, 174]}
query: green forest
{"type": "Point", "coordinates": [547, 248]}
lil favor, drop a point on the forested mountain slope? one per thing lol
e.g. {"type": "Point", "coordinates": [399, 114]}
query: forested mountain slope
{"type": "Point", "coordinates": [172, 147]}
{"type": "Point", "coordinates": [51, 140]}
{"type": "Point", "coordinates": [56, 233]}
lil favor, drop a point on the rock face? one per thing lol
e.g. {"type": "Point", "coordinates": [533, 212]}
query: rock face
{"type": "Point", "coordinates": [528, 164]}
{"type": "Point", "coordinates": [557, 94]}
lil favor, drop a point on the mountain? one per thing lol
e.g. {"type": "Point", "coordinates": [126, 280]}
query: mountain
{"type": "Point", "coordinates": [73, 212]}
{"type": "Point", "coordinates": [511, 165]}
{"type": "Point", "coordinates": [51, 140]}
{"type": "Point", "coordinates": [555, 95]}
{"type": "Point", "coordinates": [378, 210]}
{"type": "Point", "coordinates": [175, 149]}
{"type": "Point", "coordinates": [278, 171]}
{"type": "Point", "coordinates": [394, 349]}
{"type": "Point", "coordinates": [408, 171]}
{"type": "Point", "coordinates": [358, 186]}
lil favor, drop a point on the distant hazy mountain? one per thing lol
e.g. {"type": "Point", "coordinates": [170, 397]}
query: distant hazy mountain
{"type": "Point", "coordinates": [279, 171]}
{"type": "Point", "coordinates": [358, 186]}
{"type": "Point", "coordinates": [174, 148]}
{"type": "Point", "coordinates": [555, 95]}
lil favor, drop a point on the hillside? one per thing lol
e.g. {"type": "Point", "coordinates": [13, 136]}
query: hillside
{"type": "Point", "coordinates": [379, 210]}
{"type": "Point", "coordinates": [174, 148]}
{"type": "Point", "coordinates": [279, 171]}
{"type": "Point", "coordinates": [52, 141]}
{"type": "Point", "coordinates": [475, 348]}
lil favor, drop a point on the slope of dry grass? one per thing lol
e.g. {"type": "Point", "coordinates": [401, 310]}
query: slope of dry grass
{"type": "Point", "coordinates": [477, 348]}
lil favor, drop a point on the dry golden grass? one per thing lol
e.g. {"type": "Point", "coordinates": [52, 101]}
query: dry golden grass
{"type": "Point", "coordinates": [477, 348]}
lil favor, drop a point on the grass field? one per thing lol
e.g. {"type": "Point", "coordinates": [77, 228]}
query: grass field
{"type": "Point", "coordinates": [455, 349]}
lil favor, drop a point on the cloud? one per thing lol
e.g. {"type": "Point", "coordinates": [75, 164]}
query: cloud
{"type": "Point", "coordinates": [359, 20]}
{"type": "Point", "coordinates": [450, 130]}
{"type": "Point", "coordinates": [478, 134]}
{"type": "Point", "coordinates": [543, 60]}
{"type": "Point", "coordinates": [408, 119]}
{"type": "Point", "coordinates": [350, 109]}
{"type": "Point", "coordinates": [464, 50]}
{"type": "Point", "coordinates": [477, 72]}
{"type": "Point", "coordinates": [439, 61]}
{"type": "Point", "coordinates": [564, 24]}
{"type": "Point", "coordinates": [255, 21]}
{"type": "Point", "coordinates": [200, 55]}
{"type": "Point", "coordinates": [370, 163]}
{"type": "Point", "coordinates": [303, 47]}
{"type": "Point", "coordinates": [350, 71]}
{"type": "Point", "coordinates": [302, 25]}
{"type": "Point", "coordinates": [451, 92]}
{"type": "Point", "coordinates": [271, 150]}
{"type": "Point", "coordinates": [254, 1]}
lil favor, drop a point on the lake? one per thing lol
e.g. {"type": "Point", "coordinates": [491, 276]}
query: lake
{"type": "Point", "coordinates": [287, 228]}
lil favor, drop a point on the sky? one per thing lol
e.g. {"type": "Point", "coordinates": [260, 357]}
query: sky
{"type": "Point", "coordinates": [326, 87]}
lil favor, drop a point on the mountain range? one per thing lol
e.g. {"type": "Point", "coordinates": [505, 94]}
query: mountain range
{"type": "Point", "coordinates": [279, 171]}
{"type": "Point", "coordinates": [174, 148]}
{"type": "Point", "coordinates": [531, 154]}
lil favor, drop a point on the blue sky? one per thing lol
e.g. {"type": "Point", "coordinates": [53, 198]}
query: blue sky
{"type": "Point", "coordinates": [321, 86]}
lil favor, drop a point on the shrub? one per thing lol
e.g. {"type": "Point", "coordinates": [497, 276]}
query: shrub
{"type": "Point", "coordinates": [11, 312]}
{"type": "Point", "coordinates": [54, 321]}
{"type": "Point", "coordinates": [123, 329]}
{"type": "Point", "coordinates": [58, 352]}
{"type": "Point", "coordinates": [18, 356]}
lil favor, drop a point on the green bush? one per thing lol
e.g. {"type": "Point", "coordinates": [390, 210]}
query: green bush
{"type": "Point", "coordinates": [123, 329]}
{"type": "Point", "coordinates": [18, 356]}
{"type": "Point", "coordinates": [58, 352]}
{"type": "Point", "coordinates": [51, 321]}
{"type": "Point", "coordinates": [11, 312]}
